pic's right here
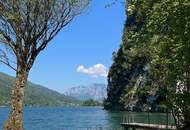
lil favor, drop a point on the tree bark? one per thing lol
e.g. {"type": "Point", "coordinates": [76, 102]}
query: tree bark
{"type": "Point", "coordinates": [15, 121]}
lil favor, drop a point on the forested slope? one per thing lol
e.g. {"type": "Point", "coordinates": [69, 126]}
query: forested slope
{"type": "Point", "coordinates": [36, 95]}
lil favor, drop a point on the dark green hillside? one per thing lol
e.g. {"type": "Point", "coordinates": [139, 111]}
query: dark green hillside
{"type": "Point", "coordinates": [36, 95]}
{"type": "Point", "coordinates": [91, 103]}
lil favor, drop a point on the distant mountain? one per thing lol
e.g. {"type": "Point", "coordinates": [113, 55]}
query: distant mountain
{"type": "Point", "coordinates": [94, 91]}
{"type": "Point", "coordinates": [36, 95]}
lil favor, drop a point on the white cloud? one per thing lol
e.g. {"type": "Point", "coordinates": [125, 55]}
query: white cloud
{"type": "Point", "coordinates": [97, 70]}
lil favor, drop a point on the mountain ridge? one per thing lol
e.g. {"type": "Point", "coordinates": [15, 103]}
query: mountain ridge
{"type": "Point", "coordinates": [36, 95]}
{"type": "Point", "coordinates": [95, 91]}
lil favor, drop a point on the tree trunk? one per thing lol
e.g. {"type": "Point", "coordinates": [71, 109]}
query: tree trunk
{"type": "Point", "coordinates": [15, 121]}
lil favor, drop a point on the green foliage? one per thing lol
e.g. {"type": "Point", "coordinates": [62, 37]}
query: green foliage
{"type": "Point", "coordinates": [91, 102]}
{"type": "Point", "coordinates": [130, 63]}
{"type": "Point", "coordinates": [170, 21]}
{"type": "Point", "coordinates": [36, 95]}
{"type": "Point", "coordinates": [156, 34]}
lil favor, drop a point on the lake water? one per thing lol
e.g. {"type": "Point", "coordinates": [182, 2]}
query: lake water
{"type": "Point", "coordinates": [79, 118]}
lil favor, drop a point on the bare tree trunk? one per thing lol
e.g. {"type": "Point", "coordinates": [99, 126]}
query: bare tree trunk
{"type": "Point", "coordinates": [181, 108]}
{"type": "Point", "coordinates": [15, 121]}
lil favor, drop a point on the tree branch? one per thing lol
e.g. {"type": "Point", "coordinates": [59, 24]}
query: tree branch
{"type": "Point", "coordinates": [5, 60]}
{"type": "Point", "coordinates": [8, 64]}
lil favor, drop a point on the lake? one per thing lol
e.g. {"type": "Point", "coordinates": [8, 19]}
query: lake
{"type": "Point", "coordinates": [79, 118]}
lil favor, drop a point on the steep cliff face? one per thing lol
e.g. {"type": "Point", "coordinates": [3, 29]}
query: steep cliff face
{"type": "Point", "coordinates": [129, 80]}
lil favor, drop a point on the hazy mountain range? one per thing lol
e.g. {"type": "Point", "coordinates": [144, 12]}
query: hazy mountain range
{"type": "Point", "coordinates": [93, 91]}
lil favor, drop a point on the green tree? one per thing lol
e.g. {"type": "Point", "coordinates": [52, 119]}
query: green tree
{"type": "Point", "coordinates": [169, 22]}
{"type": "Point", "coordinates": [26, 28]}
{"type": "Point", "coordinates": [91, 102]}
{"type": "Point", "coordinates": [157, 33]}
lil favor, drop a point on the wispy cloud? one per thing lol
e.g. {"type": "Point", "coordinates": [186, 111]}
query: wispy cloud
{"type": "Point", "coordinates": [97, 70]}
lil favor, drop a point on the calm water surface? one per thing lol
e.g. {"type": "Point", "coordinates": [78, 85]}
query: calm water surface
{"type": "Point", "coordinates": [78, 118]}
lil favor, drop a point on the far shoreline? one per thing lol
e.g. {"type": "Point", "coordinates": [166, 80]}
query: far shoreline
{"type": "Point", "coordinates": [101, 107]}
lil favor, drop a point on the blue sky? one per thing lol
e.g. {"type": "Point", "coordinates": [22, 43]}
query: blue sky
{"type": "Point", "coordinates": [81, 53]}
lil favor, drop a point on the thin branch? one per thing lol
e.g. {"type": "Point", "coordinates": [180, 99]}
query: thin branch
{"type": "Point", "coordinates": [8, 64]}
{"type": "Point", "coordinates": [5, 60]}
{"type": "Point", "coordinates": [28, 26]}
{"type": "Point", "coordinates": [8, 40]}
